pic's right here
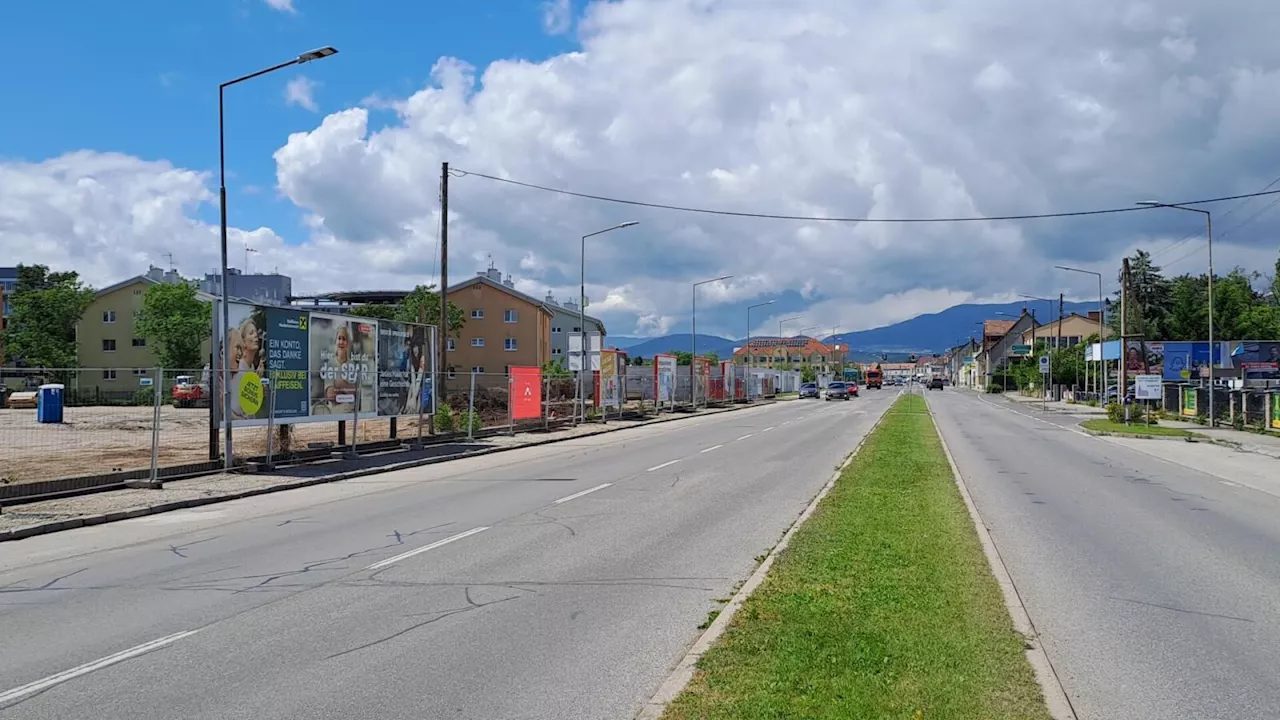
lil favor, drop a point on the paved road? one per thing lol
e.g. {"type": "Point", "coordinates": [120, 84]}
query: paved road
{"type": "Point", "coordinates": [1155, 587]}
{"type": "Point", "coordinates": [555, 582]}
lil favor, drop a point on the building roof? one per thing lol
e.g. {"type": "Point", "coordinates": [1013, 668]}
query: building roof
{"type": "Point", "coordinates": [459, 287]}
{"type": "Point", "coordinates": [148, 281]}
{"type": "Point", "coordinates": [356, 296]}
{"type": "Point", "coordinates": [997, 328]}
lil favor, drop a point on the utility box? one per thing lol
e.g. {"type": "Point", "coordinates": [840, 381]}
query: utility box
{"type": "Point", "coordinates": [49, 403]}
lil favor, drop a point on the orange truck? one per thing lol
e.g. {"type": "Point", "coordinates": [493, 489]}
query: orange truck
{"type": "Point", "coordinates": [875, 379]}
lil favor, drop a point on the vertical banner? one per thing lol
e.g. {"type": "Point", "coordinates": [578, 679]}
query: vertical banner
{"type": "Point", "coordinates": [1275, 410]}
{"type": "Point", "coordinates": [343, 365]}
{"type": "Point", "coordinates": [526, 393]}
{"type": "Point", "coordinates": [726, 372]}
{"type": "Point", "coordinates": [610, 384]}
{"type": "Point", "coordinates": [664, 378]}
{"type": "Point", "coordinates": [404, 382]}
{"type": "Point", "coordinates": [702, 376]}
{"type": "Point", "coordinates": [286, 343]}
{"type": "Point", "coordinates": [246, 336]}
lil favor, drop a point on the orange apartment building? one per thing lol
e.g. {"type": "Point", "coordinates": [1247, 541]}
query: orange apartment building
{"type": "Point", "coordinates": [791, 354]}
{"type": "Point", "coordinates": [504, 327]}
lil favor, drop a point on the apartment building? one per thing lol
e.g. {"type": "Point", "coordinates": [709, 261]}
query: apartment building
{"type": "Point", "coordinates": [1075, 328]}
{"type": "Point", "coordinates": [791, 354]}
{"type": "Point", "coordinates": [8, 285]}
{"type": "Point", "coordinates": [504, 327]}
{"type": "Point", "coordinates": [564, 323]}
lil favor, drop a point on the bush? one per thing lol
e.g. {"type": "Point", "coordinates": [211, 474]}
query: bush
{"type": "Point", "coordinates": [1137, 414]}
{"type": "Point", "coordinates": [445, 420]}
{"type": "Point", "coordinates": [471, 418]}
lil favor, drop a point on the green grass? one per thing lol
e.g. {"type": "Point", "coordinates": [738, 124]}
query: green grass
{"type": "Point", "coordinates": [883, 606]}
{"type": "Point", "coordinates": [1103, 425]}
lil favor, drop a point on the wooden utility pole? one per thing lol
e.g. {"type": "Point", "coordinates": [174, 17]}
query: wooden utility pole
{"type": "Point", "coordinates": [442, 339]}
{"type": "Point", "coordinates": [1056, 344]}
{"type": "Point", "coordinates": [1123, 381]}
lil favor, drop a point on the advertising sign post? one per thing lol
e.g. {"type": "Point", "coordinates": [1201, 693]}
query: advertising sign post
{"type": "Point", "coordinates": [664, 380]}
{"type": "Point", "coordinates": [526, 393]}
{"type": "Point", "coordinates": [1147, 388]}
{"type": "Point", "coordinates": [1275, 410]}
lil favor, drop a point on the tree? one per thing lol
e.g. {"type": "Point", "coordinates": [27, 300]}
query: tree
{"type": "Point", "coordinates": [637, 360]}
{"type": "Point", "coordinates": [808, 374]}
{"type": "Point", "coordinates": [554, 369]}
{"type": "Point", "coordinates": [175, 323]}
{"type": "Point", "coordinates": [683, 357]}
{"type": "Point", "coordinates": [712, 355]}
{"type": "Point", "coordinates": [421, 305]}
{"type": "Point", "coordinates": [41, 331]}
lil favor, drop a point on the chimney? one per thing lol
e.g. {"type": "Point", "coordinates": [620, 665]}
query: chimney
{"type": "Point", "coordinates": [508, 282]}
{"type": "Point", "coordinates": [551, 299]}
{"type": "Point", "coordinates": [1093, 315]}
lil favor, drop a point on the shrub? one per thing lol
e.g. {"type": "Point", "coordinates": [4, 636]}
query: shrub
{"type": "Point", "coordinates": [445, 420]}
{"type": "Point", "coordinates": [471, 418]}
{"type": "Point", "coordinates": [1115, 413]}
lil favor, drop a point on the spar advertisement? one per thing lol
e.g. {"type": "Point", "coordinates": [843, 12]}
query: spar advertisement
{"type": "Point", "coordinates": [323, 367]}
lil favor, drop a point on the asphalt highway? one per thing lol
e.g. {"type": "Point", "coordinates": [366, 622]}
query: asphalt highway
{"type": "Point", "coordinates": [563, 581]}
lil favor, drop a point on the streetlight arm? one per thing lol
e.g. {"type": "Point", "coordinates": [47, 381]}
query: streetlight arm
{"type": "Point", "coordinates": [259, 73]}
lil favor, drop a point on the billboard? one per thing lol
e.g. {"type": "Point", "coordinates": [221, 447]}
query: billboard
{"type": "Point", "coordinates": [526, 393]}
{"type": "Point", "coordinates": [702, 376]}
{"type": "Point", "coordinates": [664, 378]}
{"type": "Point", "coordinates": [1275, 410]}
{"type": "Point", "coordinates": [726, 372]}
{"type": "Point", "coordinates": [1185, 360]}
{"type": "Point", "coordinates": [610, 384]}
{"type": "Point", "coordinates": [1259, 360]}
{"type": "Point", "coordinates": [322, 366]}
{"type": "Point", "coordinates": [404, 369]}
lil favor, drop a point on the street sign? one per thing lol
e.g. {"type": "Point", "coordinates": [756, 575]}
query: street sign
{"type": "Point", "coordinates": [1147, 387]}
{"type": "Point", "coordinates": [1044, 364]}
{"type": "Point", "coordinates": [145, 382]}
{"type": "Point", "coordinates": [1020, 350]}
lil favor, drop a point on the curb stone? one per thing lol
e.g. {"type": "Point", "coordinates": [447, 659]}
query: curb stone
{"type": "Point", "coordinates": [1139, 436]}
{"type": "Point", "coordinates": [70, 524]}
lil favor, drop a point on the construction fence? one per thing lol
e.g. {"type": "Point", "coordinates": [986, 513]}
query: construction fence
{"type": "Point", "coordinates": [119, 421]}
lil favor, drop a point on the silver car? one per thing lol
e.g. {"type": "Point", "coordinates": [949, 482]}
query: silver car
{"type": "Point", "coordinates": [837, 391]}
{"type": "Point", "coordinates": [809, 390]}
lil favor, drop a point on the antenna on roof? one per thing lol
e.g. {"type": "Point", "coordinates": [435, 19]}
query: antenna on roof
{"type": "Point", "coordinates": [169, 255]}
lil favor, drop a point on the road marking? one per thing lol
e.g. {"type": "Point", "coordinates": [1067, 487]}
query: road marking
{"type": "Point", "coordinates": [40, 685]}
{"type": "Point", "coordinates": [744, 437]}
{"type": "Point", "coordinates": [577, 495]}
{"type": "Point", "coordinates": [665, 464]}
{"type": "Point", "coordinates": [1229, 483]}
{"type": "Point", "coordinates": [767, 429]}
{"type": "Point", "coordinates": [439, 543]}
{"type": "Point", "coordinates": [713, 447]}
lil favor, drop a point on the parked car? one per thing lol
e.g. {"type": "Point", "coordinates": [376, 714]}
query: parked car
{"type": "Point", "coordinates": [935, 383]}
{"type": "Point", "coordinates": [810, 390]}
{"type": "Point", "coordinates": [837, 391]}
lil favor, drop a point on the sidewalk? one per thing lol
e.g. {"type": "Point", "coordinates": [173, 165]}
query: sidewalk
{"type": "Point", "coordinates": [1056, 405]}
{"type": "Point", "coordinates": [19, 521]}
{"type": "Point", "coordinates": [1244, 441]}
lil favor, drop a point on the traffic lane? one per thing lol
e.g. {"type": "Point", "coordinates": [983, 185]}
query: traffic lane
{"type": "Point", "coordinates": [610, 586]}
{"type": "Point", "coordinates": [54, 611]}
{"type": "Point", "coordinates": [1153, 586]}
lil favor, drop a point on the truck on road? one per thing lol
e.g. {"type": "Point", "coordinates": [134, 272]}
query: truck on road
{"type": "Point", "coordinates": [875, 379]}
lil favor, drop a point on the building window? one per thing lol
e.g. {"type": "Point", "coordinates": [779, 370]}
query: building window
{"type": "Point", "coordinates": [109, 374]}
{"type": "Point", "coordinates": [452, 373]}
{"type": "Point", "coordinates": [477, 314]}
{"type": "Point", "coordinates": [509, 316]}
{"type": "Point", "coordinates": [557, 351]}
{"type": "Point", "coordinates": [450, 345]}
{"type": "Point", "coordinates": [108, 346]}
{"type": "Point", "coordinates": [108, 316]}
{"type": "Point", "coordinates": [555, 330]}
{"type": "Point", "coordinates": [139, 342]}
{"type": "Point", "coordinates": [477, 342]}
{"type": "Point", "coordinates": [137, 291]}
{"type": "Point", "coordinates": [509, 344]}
{"type": "Point", "coordinates": [478, 369]}
{"type": "Point", "coordinates": [140, 372]}
{"type": "Point", "coordinates": [577, 329]}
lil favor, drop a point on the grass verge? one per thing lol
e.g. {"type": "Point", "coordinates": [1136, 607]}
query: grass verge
{"type": "Point", "coordinates": [1107, 427]}
{"type": "Point", "coordinates": [882, 606]}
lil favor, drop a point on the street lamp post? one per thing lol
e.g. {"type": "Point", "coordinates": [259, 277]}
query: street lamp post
{"type": "Point", "coordinates": [306, 57]}
{"type": "Point", "coordinates": [1102, 339]}
{"type": "Point", "coordinates": [1208, 223]}
{"type": "Point", "coordinates": [581, 395]}
{"type": "Point", "coordinates": [750, 356]}
{"type": "Point", "coordinates": [693, 323]}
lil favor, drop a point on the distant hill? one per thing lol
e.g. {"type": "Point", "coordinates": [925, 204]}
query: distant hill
{"type": "Point", "coordinates": [622, 342]}
{"type": "Point", "coordinates": [669, 343]}
{"type": "Point", "coordinates": [938, 331]}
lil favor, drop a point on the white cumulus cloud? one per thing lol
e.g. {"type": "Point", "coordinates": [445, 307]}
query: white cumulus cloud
{"type": "Point", "coordinates": [300, 91]}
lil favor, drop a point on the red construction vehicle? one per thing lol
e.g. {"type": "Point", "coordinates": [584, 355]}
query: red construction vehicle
{"type": "Point", "coordinates": [187, 393]}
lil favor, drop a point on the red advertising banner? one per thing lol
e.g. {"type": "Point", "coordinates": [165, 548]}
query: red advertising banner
{"type": "Point", "coordinates": [526, 393]}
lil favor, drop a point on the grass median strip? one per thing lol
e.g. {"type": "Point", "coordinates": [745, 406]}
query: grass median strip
{"type": "Point", "coordinates": [1107, 427]}
{"type": "Point", "coordinates": [883, 605]}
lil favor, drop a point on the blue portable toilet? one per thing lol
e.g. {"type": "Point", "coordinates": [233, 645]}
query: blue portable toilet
{"type": "Point", "coordinates": [49, 403]}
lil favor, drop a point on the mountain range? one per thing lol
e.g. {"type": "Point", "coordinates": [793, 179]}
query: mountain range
{"type": "Point", "coordinates": [930, 333]}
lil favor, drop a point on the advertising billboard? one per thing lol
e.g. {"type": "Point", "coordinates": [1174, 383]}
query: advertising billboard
{"type": "Point", "coordinates": [1183, 361]}
{"type": "Point", "coordinates": [610, 384]}
{"type": "Point", "coordinates": [664, 378]}
{"type": "Point", "coordinates": [526, 393]}
{"type": "Point", "coordinates": [702, 376]}
{"type": "Point", "coordinates": [322, 366]}
{"type": "Point", "coordinates": [1259, 360]}
{"type": "Point", "coordinates": [404, 369]}
{"type": "Point", "coordinates": [1275, 410]}
{"type": "Point", "coordinates": [726, 372]}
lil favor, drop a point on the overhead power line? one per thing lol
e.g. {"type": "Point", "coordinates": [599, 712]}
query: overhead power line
{"type": "Point", "coordinates": [1169, 248]}
{"type": "Point", "coordinates": [812, 218]}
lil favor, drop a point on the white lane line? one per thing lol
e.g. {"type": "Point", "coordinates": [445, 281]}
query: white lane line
{"type": "Point", "coordinates": [713, 447]}
{"type": "Point", "coordinates": [744, 437]}
{"type": "Point", "coordinates": [439, 543]}
{"type": "Point", "coordinates": [665, 464]}
{"type": "Point", "coordinates": [577, 495]}
{"type": "Point", "coordinates": [40, 685]}
{"type": "Point", "coordinates": [768, 429]}
{"type": "Point", "coordinates": [1229, 483]}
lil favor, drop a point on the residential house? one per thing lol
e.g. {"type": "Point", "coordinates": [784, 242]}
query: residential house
{"type": "Point", "coordinates": [564, 323]}
{"type": "Point", "coordinates": [504, 327]}
{"type": "Point", "coordinates": [999, 349]}
{"type": "Point", "coordinates": [112, 355]}
{"type": "Point", "coordinates": [793, 353]}
{"type": "Point", "coordinates": [1075, 328]}
{"type": "Point", "coordinates": [8, 285]}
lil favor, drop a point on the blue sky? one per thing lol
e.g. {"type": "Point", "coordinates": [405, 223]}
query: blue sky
{"type": "Point", "coordinates": [141, 77]}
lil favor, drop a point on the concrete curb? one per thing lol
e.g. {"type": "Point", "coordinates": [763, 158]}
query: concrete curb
{"type": "Point", "coordinates": [71, 524]}
{"type": "Point", "coordinates": [1140, 436]}
{"type": "Point", "coordinates": [679, 678]}
{"type": "Point", "coordinates": [1055, 696]}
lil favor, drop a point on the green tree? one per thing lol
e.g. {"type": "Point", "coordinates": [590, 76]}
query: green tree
{"type": "Point", "coordinates": [175, 322]}
{"type": "Point", "coordinates": [808, 374]}
{"type": "Point", "coordinates": [1148, 303]}
{"type": "Point", "coordinates": [683, 357]}
{"type": "Point", "coordinates": [41, 331]}
{"type": "Point", "coordinates": [712, 355]}
{"type": "Point", "coordinates": [555, 369]}
{"type": "Point", "coordinates": [421, 305]}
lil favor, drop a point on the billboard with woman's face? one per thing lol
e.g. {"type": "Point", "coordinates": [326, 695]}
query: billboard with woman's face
{"type": "Point", "coordinates": [343, 365]}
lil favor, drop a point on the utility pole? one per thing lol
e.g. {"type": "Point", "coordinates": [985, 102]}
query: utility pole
{"type": "Point", "coordinates": [443, 338]}
{"type": "Point", "coordinates": [1123, 383]}
{"type": "Point", "coordinates": [1056, 344]}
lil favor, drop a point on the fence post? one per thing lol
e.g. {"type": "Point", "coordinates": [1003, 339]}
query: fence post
{"type": "Point", "coordinates": [471, 407]}
{"type": "Point", "coordinates": [355, 422]}
{"type": "Point", "coordinates": [271, 421]}
{"type": "Point", "coordinates": [157, 394]}
{"type": "Point", "coordinates": [511, 415]}
{"type": "Point", "coordinates": [420, 400]}
{"type": "Point", "coordinates": [546, 404]}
